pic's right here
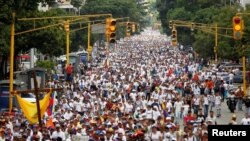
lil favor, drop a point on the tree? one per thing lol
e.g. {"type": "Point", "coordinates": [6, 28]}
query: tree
{"type": "Point", "coordinates": [118, 9]}
{"type": "Point", "coordinates": [49, 41]}
{"type": "Point", "coordinates": [77, 3]}
{"type": "Point", "coordinates": [204, 44]}
{"type": "Point", "coordinates": [208, 13]}
{"type": "Point", "coordinates": [181, 14]}
{"type": "Point", "coordinates": [20, 7]}
{"type": "Point", "coordinates": [163, 6]}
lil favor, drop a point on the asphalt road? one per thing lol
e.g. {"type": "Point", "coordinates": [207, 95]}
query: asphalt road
{"type": "Point", "coordinates": [227, 115]}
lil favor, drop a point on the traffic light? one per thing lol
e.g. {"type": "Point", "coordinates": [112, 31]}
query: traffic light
{"type": "Point", "coordinates": [192, 26]}
{"type": "Point", "coordinates": [170, 24]}
{"type": "Point", "coordinates": [107, 32]}
{"type": "Point", "coordinates": [128, 29]}
{"type": "Point", "coordinates": [238, 26]}
{"type": "Point", "coordinates": [174, 37]}
{"type": "Point", "coordinates": [133, 27]}
{"type": "Point", "coordinates": [110, 29]}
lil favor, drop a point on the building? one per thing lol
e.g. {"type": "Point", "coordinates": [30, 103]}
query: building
{"type": "Point", "coordinates": [243, 3]}
{"type": "Point", "coordinates": [62, 4]}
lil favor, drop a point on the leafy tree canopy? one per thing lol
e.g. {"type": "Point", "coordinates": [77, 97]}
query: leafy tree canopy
{"type": "Point", "coordinates": [209, 13]}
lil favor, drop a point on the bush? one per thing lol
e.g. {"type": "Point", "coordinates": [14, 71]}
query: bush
{"type": "Point", "coordinates": [47, 64]}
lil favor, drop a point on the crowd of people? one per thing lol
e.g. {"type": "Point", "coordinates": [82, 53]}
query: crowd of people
{"type": "Point", "coordinates": [145, 90]}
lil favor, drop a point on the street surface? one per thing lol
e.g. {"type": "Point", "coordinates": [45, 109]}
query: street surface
{"type": "Point", "coordinates": [227, 115]}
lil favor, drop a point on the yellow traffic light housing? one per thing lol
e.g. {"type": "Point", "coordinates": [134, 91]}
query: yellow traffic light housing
{"type": "Point", "coordinates": [133, 28]}
{"type": "Point", "coordinates": [107, 32]}
{"type": "Point", "coordinates": [192, 26]}
{"type": "Point", "coordinates": [170, 24]}
{"type": "Point", "coordinates": [238, 26]}
{"type": "Point", "coordinates": [110, 30]}
{"type": "Point", "coordinates": [174, 37]}
{"type": "Point", "coordinates": [128, 29]}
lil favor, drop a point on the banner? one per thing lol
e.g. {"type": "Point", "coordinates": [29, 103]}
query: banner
{"type": "Point", "coordinates": [30, 110]}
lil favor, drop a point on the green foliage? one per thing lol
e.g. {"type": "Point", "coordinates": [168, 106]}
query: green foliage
{"type": "Point", "coordinates": [50, 41]}
{"type": "Point", "coordinates": [47, 64]}
{"type": "Point", "coordinates": [210, 13]}
{"type": "Point", "coordinates": [204, 44]}
{"type": "Point", "coordinates": [118, 9]}
{"type": "Point", "coordinates": [77, 3]}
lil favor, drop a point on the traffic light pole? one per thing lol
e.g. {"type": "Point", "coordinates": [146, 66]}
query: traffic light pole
{"type": "Point", "coordinates": [88, 41]}
{"type": "Point", "coordinates": [243, 58]}
{"type": "Point", "coordinates": [244, 75]}
{"type": "Point", "coordinates": [216, 45]}
{"type": "Point", "coordinates": [11, 71]}
{"type": "Point", "coordinates": [66, 26]}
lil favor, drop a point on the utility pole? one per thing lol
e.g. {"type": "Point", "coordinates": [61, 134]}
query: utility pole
{"type": "Point", "coordinates": [244, 75]}
{"type": "Point", "coordinates": [66, 27]}
{"type": "Point", "coordinates": [89, 41]}
{"type": "Point", "coordinates": [11, 70]}
{"type": "Point", "coordinates": [216, 44]}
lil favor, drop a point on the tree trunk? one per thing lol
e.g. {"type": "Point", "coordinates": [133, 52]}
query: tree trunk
{"type": "Point", "coordinates": [3, 70]}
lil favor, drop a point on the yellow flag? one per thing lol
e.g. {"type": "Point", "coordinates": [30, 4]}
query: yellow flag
{"type": "Point", "coordinates": [163, 106]}
{"type": "Point", "coordinates": [29, 109]}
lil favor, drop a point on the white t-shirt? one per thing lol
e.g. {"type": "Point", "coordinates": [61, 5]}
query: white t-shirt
{"type": "Point", "coordinates": [212, 119]}
{"type": "Point", "coordinates": [197, 91]}
{"type": "Point", "coordinates": [185, 109]}
{"type": "Point", "coordinates": [56, 134]}
{"type": "Point", "coordinates": [156, 114]}
{"type": "Point", "coordinates": [231, 76]}
{"type": "Point", "coordinates": [178, 105]}
{"type": "Point", "coordinates": [205, 100]}
{"type": "Point", "coordinates": [217, 100]}
{"type": "Point", "coordinates": [196, 101]}
{"type": "Point", "coordinates": [77, 105]}
{"type": "Point", "coordinates": [245, 121]}
{"type": "Point", "coordinates": [169, 105]}
{"type": "Point", "coordinates": [156, 136]}
{"type": "Point", "coordinates": [149, 114]}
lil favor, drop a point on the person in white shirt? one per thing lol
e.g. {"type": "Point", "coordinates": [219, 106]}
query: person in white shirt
{"type": "Point", "coordinates": [155, 135]}
{"type": "Point", "coordinates": [149, 112]}
{"type": "Point", "coordinates": [231, 77]}
{"type": "Point", "coordinates": [196, 90]}
{"type": "Point", "coordinates": [177, 106]}
{"type": "Point", "coordinates": [246, 120]}
{"type": "Point", "coordinates": [185, 108]}
{"type": "Point", "coordinates": [155, 113]}
{"type": "Point", "coordinates": [196, 104]}
{"type": "Point", "coordinates": [205, 104]}
{"type": "Point", "coordinates": [68, 114]}
{"type": "Point", "coordinates": [218, 104]}
{"type": "Point", "coordinates": [211, 118]}
{"type": "Point", "coordinates": [58, 133]}
{"type": "Point", "coordinates": [169, 105]}
{"type": "Point", "coordinates": [77, 105]}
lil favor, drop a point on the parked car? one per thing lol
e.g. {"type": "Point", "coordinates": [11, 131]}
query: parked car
{"type": "Point", "coordinates": [236, 79]}
{"type": "Point", "coordinates": [230, 67]}
{"type": "Point", "coordinates": [29, 97]}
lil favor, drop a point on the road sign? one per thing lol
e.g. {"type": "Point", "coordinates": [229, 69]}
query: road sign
{"type": "Point", "coordinates": [98, 28]}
